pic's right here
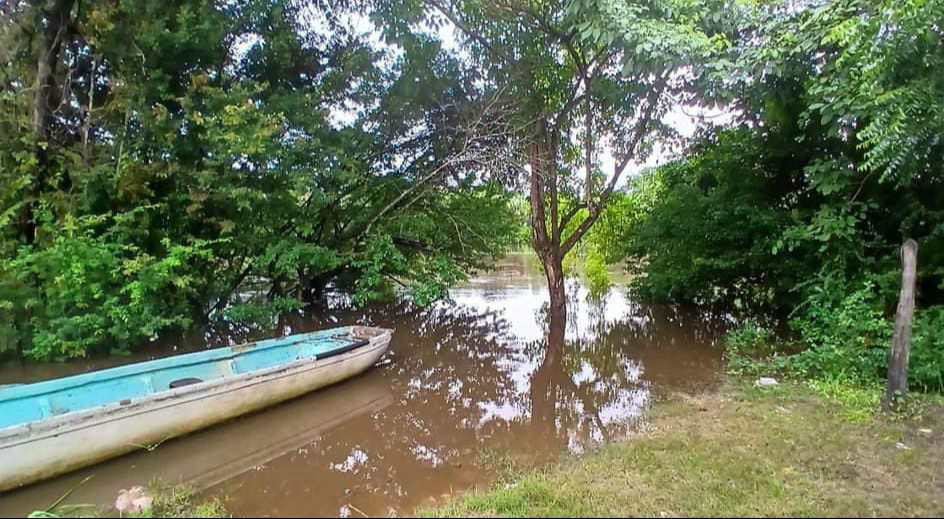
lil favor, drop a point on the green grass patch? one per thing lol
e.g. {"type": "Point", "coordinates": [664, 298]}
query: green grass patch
{"type": "Point", "coordinates": [169, 503]}
{"type": "Point", "coordinates": [787, 451]}
{"type": "Point", "coordinates": [859, 401]}
{"type": "Point", "coordinates": [180, 501]}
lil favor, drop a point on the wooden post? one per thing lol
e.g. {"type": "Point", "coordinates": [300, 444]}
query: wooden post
{"type": "Point", "coordinates": [901, 343]}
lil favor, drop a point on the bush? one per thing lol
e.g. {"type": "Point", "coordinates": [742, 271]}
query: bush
{"type": "Point", "coordinates": [598, 275]}
{"type": "Point", "coordinates": [845, 335]}
{"type": "Point", "coordinates": [752, 350]}
{"type": "Point", "coordinates": [83, 293]}
{"type": "Point", "coordinates": [707, 234]}
{"type": "Point", "coordinates": [844, 341]}
{"type": "Point", "coordinates": [926, 370]}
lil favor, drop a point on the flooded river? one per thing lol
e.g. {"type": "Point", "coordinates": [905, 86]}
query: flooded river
{"type": "Point", "coordinates": [466, 386]}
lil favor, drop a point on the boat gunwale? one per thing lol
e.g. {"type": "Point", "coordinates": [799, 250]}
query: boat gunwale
{"type": "Point", "coordinates": [174, 361]}
{"type": "Point", "coordinates": [59, 424]}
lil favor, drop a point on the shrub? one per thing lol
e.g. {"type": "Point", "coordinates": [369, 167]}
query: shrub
{"type": "Point", "coordinates": [926, 370]}
{"type": "Point", "coordinates": [845, 341]}
{"type": "Point", "coordinates": [845, 335]}
{"type": "Point", "coordinates": [752, 349]}
{"type": "Point", "coordinates": [598, 275]}
{"type": "Point", "coordinates": [83, 293]}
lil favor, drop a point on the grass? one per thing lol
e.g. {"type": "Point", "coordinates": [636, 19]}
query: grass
{"type": "Point", "coordinates": [785, 451]}
{"type": "Point", "coordinates": [858, 402]}
{"type": "Point", "coordinates": [180, 501]}
{"type": "Point", "coordinates": [169, 502]}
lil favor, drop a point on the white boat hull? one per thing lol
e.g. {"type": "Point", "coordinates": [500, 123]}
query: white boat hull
{"type": "Point", "coordinates": [41, 450]}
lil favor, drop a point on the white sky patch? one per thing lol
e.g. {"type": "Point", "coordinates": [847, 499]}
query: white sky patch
{"type": "Point", "coordinates": [348, 113]}
{"type": "Point", "coordinates": [243, 43]}
{"type": "Point", "coordinates": [685, 119]}
{"type": "Point", "coordinates": [450, 40]}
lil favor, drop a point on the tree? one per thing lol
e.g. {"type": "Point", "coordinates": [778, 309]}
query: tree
{"type": "Point", "coordinates": [835, 161]}
{"type": "Point", "coordinates": [881, 80]}
{"type": "Point", "coordinates": [582, 78]}
{"type": "Point", "coordinates": [187, 161]}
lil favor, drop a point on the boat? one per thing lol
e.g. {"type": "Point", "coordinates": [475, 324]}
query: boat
{"type": "Point", "coordinates": [215, 455]}
{"type": "Point", "coordinates": [54, 427]}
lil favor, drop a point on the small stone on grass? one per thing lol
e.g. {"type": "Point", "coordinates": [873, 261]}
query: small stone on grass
{"type": "Point", "coordinates": [133, 501]}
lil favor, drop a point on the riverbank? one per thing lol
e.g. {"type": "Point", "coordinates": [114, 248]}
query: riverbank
{"type": "Point", "coordinates": [163, 502]}
{"type": "Point", "coordinates": [743, 451]}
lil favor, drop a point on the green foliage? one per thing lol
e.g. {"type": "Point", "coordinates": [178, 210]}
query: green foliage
{"type": "Point", "coordinates": [381, 257]}
{"type": "Point", "coordinates": [927, 353]}
{"type": "Point", "coordinates": [598, 274]}
{"type": "Point", "coordinates": [896, 102]}
{"type": "Point", "coordinates": [260, 314]}
{"type": "Point", "coordinates": [752, 350]}
{"type": "Point", "coordinates": [706, 227]}
{"type": "Point", "coordinates": [197, 152]}
{"type": "Point", "coordinates": [520, 213]}
{"type": "Point", "coordinates": [90, 292]}
{"type": "Point", "coordinates": [842, 346]}
{"type": "Point", "coordinates": [749, 336]}
{"type": "Point", "coordinates": [846, 332]}
{"type": "Point", "coordinates": [801, 207]}
{"type": "Point", "coordinates": [225, 160]}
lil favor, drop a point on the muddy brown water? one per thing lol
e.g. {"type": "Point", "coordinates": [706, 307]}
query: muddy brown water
{"type": "Point", "coordinates": [466, 387]}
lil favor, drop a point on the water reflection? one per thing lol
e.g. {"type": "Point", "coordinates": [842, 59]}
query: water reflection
{"type": "Point", "coordinates": [482, 375]}
{"type": "Point", "coordinates": [213, 456]}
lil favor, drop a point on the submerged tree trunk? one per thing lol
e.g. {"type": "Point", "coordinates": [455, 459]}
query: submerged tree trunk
{"type": "Point", "coordinates": [901, 343]}
{"type": "Point", "coordinates": [557, 289]}
{"type": "Point", "coordinates": [305, 284]}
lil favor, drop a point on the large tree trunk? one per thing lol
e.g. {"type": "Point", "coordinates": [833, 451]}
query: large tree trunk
{"type": "Point", "coordinates": [557, 289]}
{"type": "Point", "coordinates": [901, 344]}
{"type": "Point", "coordinates": [547, 242]}
{"type": "Point", "coordinates": [56, 14]}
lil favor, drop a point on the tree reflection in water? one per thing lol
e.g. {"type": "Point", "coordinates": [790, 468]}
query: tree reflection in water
{"type": "Point", "coordinates": [468, 382]}
{"type": "Point", "coordinates": [483, 374]}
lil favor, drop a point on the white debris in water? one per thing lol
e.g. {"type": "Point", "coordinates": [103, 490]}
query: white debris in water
{"type": "Point", "coordinates": [902, 446]}
{"type": "Point", "coordinates": [133, 501]}
{"type": "Point", "coordinates": [766, 381]}
{"type": "Point", "coordinates": [926, 432]}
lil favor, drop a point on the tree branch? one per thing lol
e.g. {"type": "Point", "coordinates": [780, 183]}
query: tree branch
{"type": "Point", "coordinates": [642, 127]}
{"type": "Point", "coordinates": [406, 193]}
{"type": "Point", "coordinates": [588, 149]}
{"type": "Point", "coordinates": [482, 40]}
{"type": "Point", "coordinates": [574, 211]}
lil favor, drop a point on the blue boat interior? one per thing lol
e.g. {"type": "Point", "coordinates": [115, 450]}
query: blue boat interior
{"type": "Point", "coordinates": [33, 402]}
